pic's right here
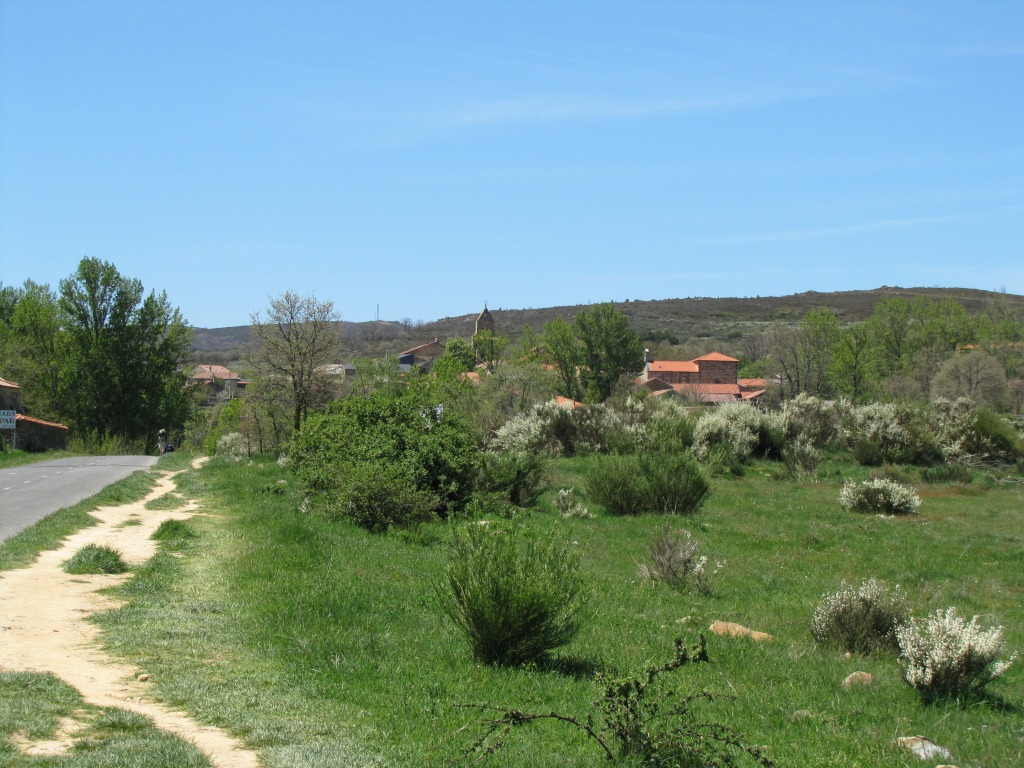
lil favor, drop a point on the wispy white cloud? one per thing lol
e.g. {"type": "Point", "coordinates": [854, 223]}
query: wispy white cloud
{"type": "Point", "coordinates": [863, 228]}
{"type": "Point", "coordinates": [550, 109]}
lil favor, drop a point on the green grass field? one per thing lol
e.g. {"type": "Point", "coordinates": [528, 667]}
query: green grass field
{"type": "Point", "coordinates": [319, 643]}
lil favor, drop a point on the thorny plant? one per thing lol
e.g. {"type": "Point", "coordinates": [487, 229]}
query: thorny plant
{"type": "Point", "coordinates": [637, 718]}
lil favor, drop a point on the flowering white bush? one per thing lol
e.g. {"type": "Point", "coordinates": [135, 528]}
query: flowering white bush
{"type": "Point", "coordinates": [814, 420]}
{"type": "Point", "coordinates": [232, 444]}
{"type": "Point", "coordinates": [953, 424]}
{"type": "Point", "coordinates": [523, 432]}
{"type": "Point", "coordinates": [675, 557]}
{"type": "Point", "coordinates": [732, 425]}
{"type": "Point", "coordinates": [553, 428]}
{"type": "Point", "coordinates": [890, 427]}
{"type": "Point", "coordinates": [567, 503]}
{"type": "Point", "coordinates": [861, 620]}
{"type": "Point", "coordinates": [879, 495]}
{"type": "Point", "coordinates": [944, 655]}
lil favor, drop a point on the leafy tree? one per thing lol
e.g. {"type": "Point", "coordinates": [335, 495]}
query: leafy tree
{"type": "Point", "coordinates": [851, 367]}
{"type": "Point", "coordinates": [461, 352]}
{"type": "Point", "coordinates": [563, 350]}
{"type": "Point", "coordinates": [37, 335]}
{"type": "Point", "coordinates": [593, 353]}
{"type": "Point", "coordinates": [610, 349]}
{"type": "Point", "coordinates": [122, 365]}
{"type": "Point", "coordinates": [298, 336]}
{"type": "Point", "coordinates": [890, 330]}
{"type": "Point", "coordinates": [819, 335]}
{"type": "Point", "coordinates": [489, 348]}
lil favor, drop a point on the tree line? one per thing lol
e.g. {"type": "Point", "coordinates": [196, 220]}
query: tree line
{"type": "Point", "coordinates": [906, 349]}
{"type": "Point", "coordinates": [99, 354]}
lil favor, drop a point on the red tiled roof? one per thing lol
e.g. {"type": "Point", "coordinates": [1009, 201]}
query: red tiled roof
{"type": "Point", "coordinates": [673, 366]}
{"type": "Point", "coordinates": [716, 357]}
{"type": "Point", "coordinates": [9, 384]}
{"type": "Point", "coordinates": [708, 389]}
{"type": "Point", "coordinates": [210, 372]}
{"type": "Point", "coordinates": [19, 417]}
{"type": "Point", "coordinates": [568, 402]}
{"type": "Point", "coordinates": [657, 385]}
{"type": "Point", "coordinates": [752, 383]}
{"type": "Point", "coordinates": [421, 347]}
{"type": "Point", "coordinates": [750, 395]}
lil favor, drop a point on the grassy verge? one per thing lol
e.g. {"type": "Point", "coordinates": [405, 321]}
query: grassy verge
{"type": "Point", "coordinates": [32, 708]}
{"type": "Point", "coordinates": [21, 458]}
{"type": "Point", "coordinates": [321, 644]}
{"type": "Point", "coordinates": [21, 549]}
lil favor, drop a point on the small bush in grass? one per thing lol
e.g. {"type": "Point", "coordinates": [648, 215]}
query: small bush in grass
{"type": "Point", "coordinates": [570, 506]}
{"type": "Point", "coordinates": [232, 445]}
{"type": "Point", "coordinates": [879, 496]}
{"type": "Point", "coordinates": [490, 506]}
{"type": "Point", "coordinates": [675, 559]}
{"type": "Point", "coordinates": [169, 530]}
{"type": "Point", "coordinates": [516, 598]}
{"type": "Point", "coordinates": [648, 482]}
{"type": "Point", "coordinates": [381, 496]}
{"type": "Point", "coordinates": [517, 474]}
{"type": "Point", "coordinates": [945, 656]}
{"type": "Point", "coordinates": [801, 458]}
{"type": "Point", "coordinates": [861, 620]}
{"type": "Point", "coordinates": [93, 558]}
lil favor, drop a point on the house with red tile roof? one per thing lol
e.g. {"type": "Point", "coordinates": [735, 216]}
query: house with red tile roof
{"type": "Point", "coordinates": [29, 434]}
{"type": "Point", "coordinates": [711, 378]}
{"type": "Point", "coordinates": [213, 377]}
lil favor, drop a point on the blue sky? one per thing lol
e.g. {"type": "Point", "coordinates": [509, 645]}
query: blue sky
{"type": "Point", "coordinates": [429, 157]}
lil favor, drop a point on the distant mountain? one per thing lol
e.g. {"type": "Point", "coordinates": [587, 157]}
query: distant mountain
{"type": "Point", "coordinates": [712, 320]}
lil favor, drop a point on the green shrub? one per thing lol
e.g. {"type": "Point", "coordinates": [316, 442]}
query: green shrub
{"type": "Point", "coordinates": [867, 452]}
{"type": "Point", "coordinates": [517, 474]}
{"type": "Point", "coordinates": [994, 437]}
{"type": "Point", "coordinates": [861, 620]}
{"type": "Point", "coordinates": [380, 496]}
{"type": "Point", "coordinates": [801, 458]}
{"type": "Point", "coordinates": [483, 505]}
{"type": "Point", "coordinates": [670, 430]}
{"type": "Point", "coordinates": [427, 451]}
{"type": "Point", "coordinates": [515, 598]}
{"type": "Point", "coordinates": [945, 656]}
{"type": "Point", "coordinates": [93, 559]}
{"type": "Point", "coordinates": [947, 473]}
{"type": "Point", "coordinates": [649, 482]}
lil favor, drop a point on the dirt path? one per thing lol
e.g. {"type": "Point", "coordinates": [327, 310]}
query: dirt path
{"type": "Point", "coordinates": [43, 627]}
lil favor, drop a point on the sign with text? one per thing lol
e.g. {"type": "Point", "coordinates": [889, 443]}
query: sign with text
{"type": "Point", "coordinates": [7, 420]}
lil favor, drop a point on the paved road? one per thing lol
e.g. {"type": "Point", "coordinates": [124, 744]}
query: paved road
{"type": "Point", "coordinates": [31, 492]}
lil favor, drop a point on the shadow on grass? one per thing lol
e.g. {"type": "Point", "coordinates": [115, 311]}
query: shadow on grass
{"type": "Point", "coordinates": [571, 666]}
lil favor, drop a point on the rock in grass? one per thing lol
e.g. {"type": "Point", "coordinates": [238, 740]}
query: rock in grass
{"type": "Point", "coordinates": [858, 679]}
{"type": "Point", "coordinates": [730, 629]}
{"type": "Point", "coordinates": [923, 748]}
{"type": "Point", "coordinates": [144, 678]}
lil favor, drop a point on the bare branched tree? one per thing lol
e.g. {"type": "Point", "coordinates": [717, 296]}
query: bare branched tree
{"type": "Point", "coordinates": [298, 336]}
